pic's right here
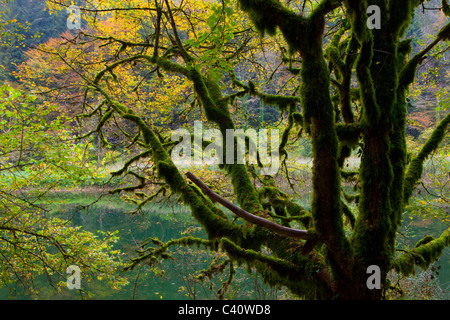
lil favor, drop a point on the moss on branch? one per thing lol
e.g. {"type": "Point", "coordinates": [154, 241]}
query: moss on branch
{"type": "Point", "coordinates": [150, 255]}
{"type": "Point", "coordinates": [415, 168]}
{"type": "Point", "coordinates": [127, 164]}
{"type": "Point", "coordinates": [300, 278]}
{"type": "Point", "coordinates": [426, 251]}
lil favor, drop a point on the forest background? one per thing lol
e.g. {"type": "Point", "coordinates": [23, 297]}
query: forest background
{"type": "Point", "coordinates": [49, 161]}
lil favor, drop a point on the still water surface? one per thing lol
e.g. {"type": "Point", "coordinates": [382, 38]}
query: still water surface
{"type": "Point", "coordinates": [170, 221]}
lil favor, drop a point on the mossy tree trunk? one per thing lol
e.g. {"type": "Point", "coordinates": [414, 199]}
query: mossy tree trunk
{"type": "Point", "coordinates": [379, 66]}
{"type": "Point", "coordinates": [323, 261]}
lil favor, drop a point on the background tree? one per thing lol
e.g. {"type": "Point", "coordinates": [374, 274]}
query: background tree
{"type": "Point", "coordinates": [35, 244]}
{"type": "Point", "coordinates": [24, 24]}
{"type": "Point", "coordinates": [353, 84]}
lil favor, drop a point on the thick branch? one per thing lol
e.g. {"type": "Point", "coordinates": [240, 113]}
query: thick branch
{"type": "Point", "coordinates": [282, 102]}
{"type": "Point", "coordinates": [267, 15]}
{"type": "Point", "coordinates": [276, 270]}
{"type": "Point", "coordinates": [407, 74]}
{"type": "Point", "coordinates": [325, 7]}
{"type": "Point", "coordinates": [285, 231]}
{"type": "Point", "coordinates": [160, 252]}
{"type": "Point", "coordinates": [415, 169]}
{"type": "Point", "coordinates": [425, 252]}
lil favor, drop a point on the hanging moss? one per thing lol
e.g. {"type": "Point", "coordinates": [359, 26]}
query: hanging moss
{"type": "Point", "coordinates": [351, 198]}
{"type": "Point", "coordinates": [444, 33]}
{"type": "Point", "coordinates": [285, 136]}
{"type": "Point", "coordinates": [300, 278]}
{"type": "Point", "coordinates": [398, 156]}
{"type": "Point", "coordinates": [215, 110]}
{"type": "Point", "coordinates": [214, 224]}
{"type": "Point", "coordinates": [334, 56]}
{"type": "Point", "coordinates": [150, 255]}
{"type": "Point", "coordinates": [315, 97]}
{"type": "Point", "coordinates": [349, 175]}
{"type": "Point", "coordinates": [298, 118]}
{"type": "Point", "coordinates": [349, 214]}
{"type": "Point", "coordinates": [408, 72]}
{"type": "Point", "coordinates": [357, 16]}
{"type": "Point", "coordinates": [213, 269]}
{"type": "Point", "coordinates": [284, 103]}
{"type": "Point", "coordinates": [348, 134]}
{"type": "Point", "coordinates": [415, 168]}
{"type": "Point", "coordinates": [404, 49]}
{"type": "Point", "coordinates": [345, 89]}
{"type": "Point", "coordinates": [424, 241]}
{"type": "Point", "coordinates": [127, 164]}
{"type": "Point", "coordinates": [227, 283]}
{"type": "Point", "coordinates": [372, 113]}
{"type": "Point", "coordinates": [426, 251]}
{"type": "Point", "coordinates": [268, 15]}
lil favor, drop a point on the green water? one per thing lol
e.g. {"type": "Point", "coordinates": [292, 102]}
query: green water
{"type": "Point", "coordinates": [414, 230]}
{"type": "Point", "coordinates": [165, 221]}
{"type": "Point", "coordinates": [168, 221]}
